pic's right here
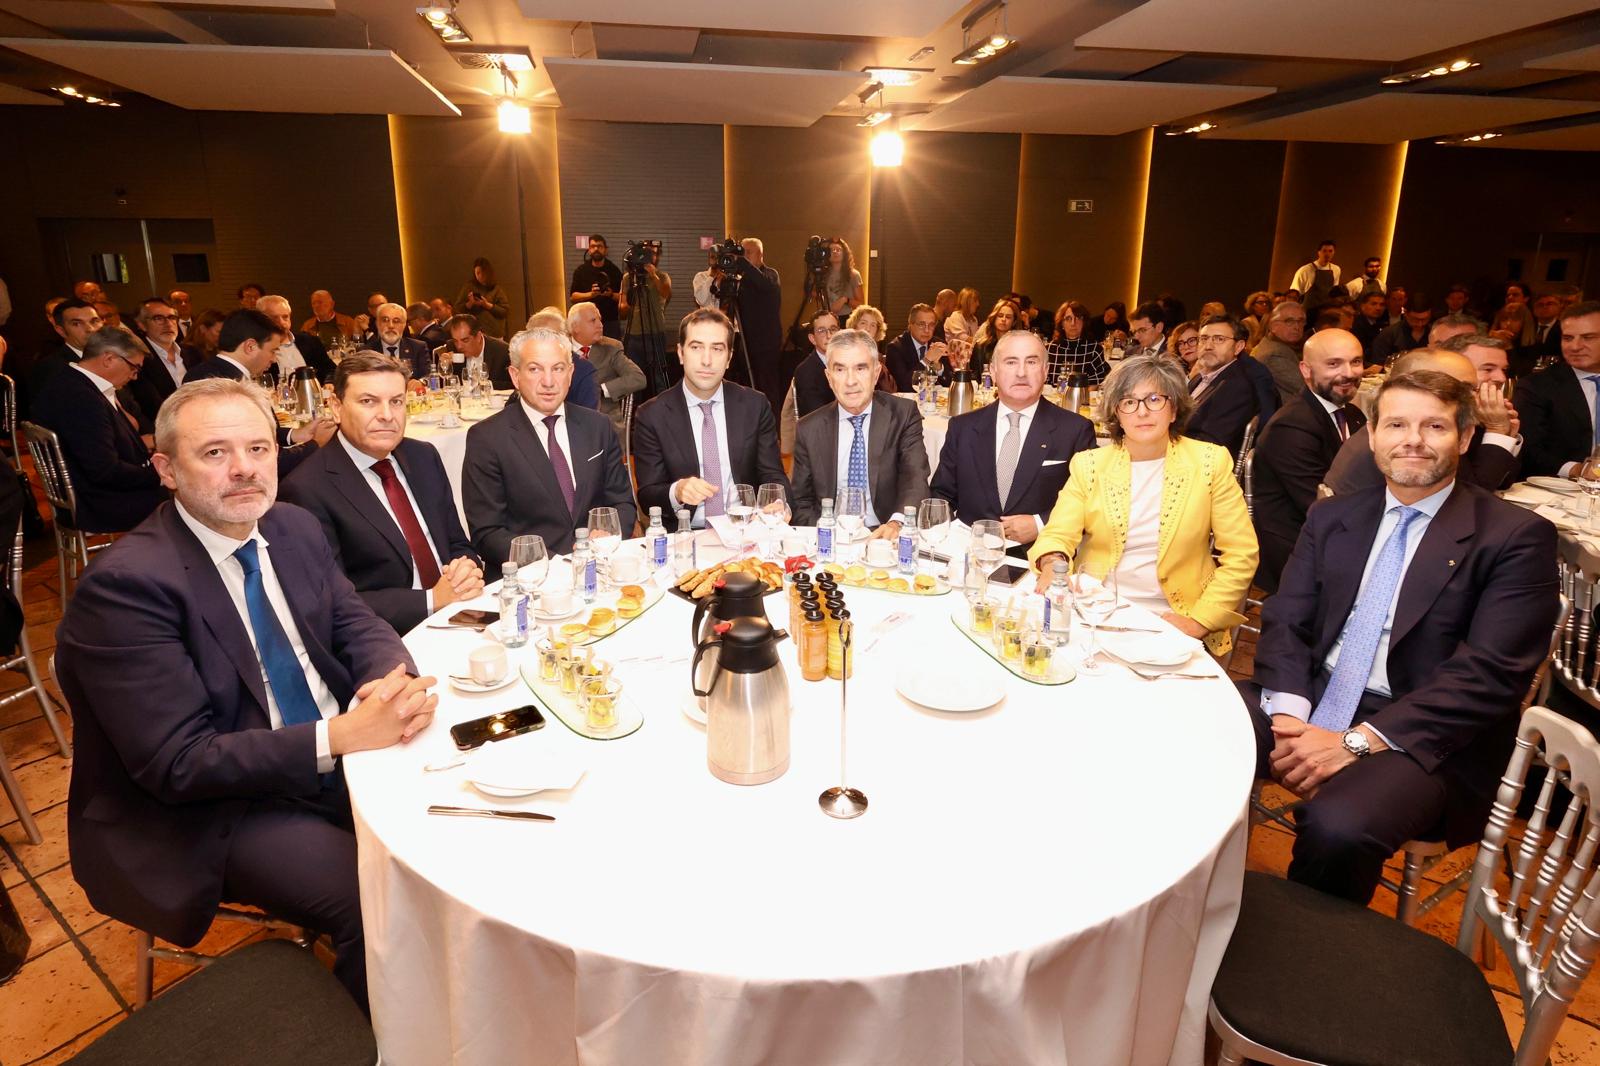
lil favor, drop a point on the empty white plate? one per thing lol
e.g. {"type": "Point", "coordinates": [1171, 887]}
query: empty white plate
{"type": "Point", "coordinates": [511, 770]}
{"type": "Point", "coordinates": [1150, 649]}
{"type": "Point", "coordinates": [950, 690]}
{"type": "Point", "coordinates": [1554, 484]}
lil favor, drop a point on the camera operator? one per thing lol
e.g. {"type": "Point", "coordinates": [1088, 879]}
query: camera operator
{"type": "Point", "coordinates": [760, 303]}
{"type": "Point", "coordinates": [644, 333]}
{"type": "Point", "coordinates": [597, 280]}
{"type": "Point", "coordinates": [706, 281]}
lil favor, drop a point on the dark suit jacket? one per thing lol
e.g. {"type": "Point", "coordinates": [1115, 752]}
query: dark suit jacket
{"type": "Point", "coordinates": [54, 360]}
{"type": "Point", "coordinates": [966, 477]}
{"type": "Point", "coordinates": [214, 367]}
{"type": "Point", "coordinates": [116, 486]}
{"type": "Point", "coordinates": [1394, 341]}
{"type": "Point", "coordinates": [897, 460]}
{"type": "Point", "coordinates": [1557, 425]}
{"type": "Point", "coordinates": [811, 388]}
{"type": "Point", "coordinates": [1268, 399]}
{"type": "Point", "coordinates": [315, 355]}
{"type": "Point", "coordinates": [1471, 624]}
{"type": "Point", "coordinates": [367, 544]}
{"type": "Point", "coordinates": [901, 359]}
{"type": "Point", "coordinates": [414, 353]}
{"type": "Point", "coordinates": [1226, 407]}
{"type": "Point", "coordinates": [1487, 466]}
{"type": "Point", "coordinates": [664, 436]}
{"type": "Point", "coordinates": [154, 383]}
{"type": "Point", "coordinates": [509, 488]}
{"type": "Point", "coordinates": [1292, 456]}
{"type": "Point", "coordinates": [497, 362]}
{"type": "Point", "coordinates": [289, 455]}
{"type": "Point", "coordinates": [169, 711]}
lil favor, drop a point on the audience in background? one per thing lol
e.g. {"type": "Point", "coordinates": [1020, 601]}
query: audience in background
{"type": "Point", "coordinates": [1410, 332]}
{"type": "Point", "coordinates": [615, 375]}
{"type": "Point", "coordinates": [297, 349]}
{"type": "Point", "coordinates": [597, 280]}
{"type": "Point", "coordinates": [202, 335]}
{"type": "Point", "coordinates": [420, 324]}
{"type": "Point", "coordinates": [915, 349]}
{"type": "Point", "coordinates": [1256, 308]}
{"type": "Point", "coordinates": [1372, 318]}
{"type": "Point", "coordinates": [392, 341]}
{"type": "Point", "coordinates": [1279, 349]}
{"type": "Point", "coordinates": [842, 283]}
{"type": "Point", "coordinates": [249, 293]}
{"type": "Point", "coordinates": [1159, 508]}
{"type": "Point", "coordinates": [1397, 300]}
{"type": "Point", "coordinates": [1113, 323]}
{"type": "Point", "coordinates": [73, 320]}
{"type": "Point", "coordinates": [1148, 328]}
{"type": "Point", "coordinates": [326, 323]}
{"type": "Point", "coordinates": [169, 360]}
{"type": "Point", "coordinates": [179, 301]}
{"type": "Point", "coordinates": [1002, 317]}
{"type": "Point", "coordinates": [943, 304]}
{"type": "Point", "coordinates": [961, 325]}
{"type": "Point", "coordinates": [1184, 342]}
{"type": "Point", "coordinates": [1224, 390]}
{"type": "Point", "coordinates": [811, 389]}
{"type": "Point", "coordinates": [1074, 349]}
{"type": "Point", "coordinates": [1560, 406]}
{"type": "Point", "coordinates": [468, 338]}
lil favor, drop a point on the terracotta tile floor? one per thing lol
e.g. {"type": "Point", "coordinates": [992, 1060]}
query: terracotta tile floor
{"type": "Point", "coordinates": [78, 980]}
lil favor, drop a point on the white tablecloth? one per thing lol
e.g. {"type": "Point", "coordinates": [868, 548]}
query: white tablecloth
{"type": "Point", "coordinates": [452, 446]}
{"type": "Point", "coordinates": [1052, 880]}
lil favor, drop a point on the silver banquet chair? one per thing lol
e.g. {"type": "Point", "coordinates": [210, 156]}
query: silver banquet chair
{"type": "Point", "coordinates": [1309, 978]}
{"type": "Point", "coordinates": [72, 542]}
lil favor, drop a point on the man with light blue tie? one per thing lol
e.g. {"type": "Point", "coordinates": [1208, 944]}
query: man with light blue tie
{"type": "Point", "coordinates": [706, 433]}
{"type": "Point", "coordinates": [1560, 406]}
{"type": "Point", "coordinates": [1387, 696]}
{"type": "Point", "coordinates": [865, 439]}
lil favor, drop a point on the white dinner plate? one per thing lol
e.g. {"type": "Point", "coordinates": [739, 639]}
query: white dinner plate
{"type": "Point", "coordinates": [1554, 484]}
{"type": "Point", "coordinates": [472, 688]}
{"type": "Point", "coordinates": [1150, 649]}
{"type": "Point", "coordinates": [510, 770]}
{"type": "Point", "coordinates": [950, 689]}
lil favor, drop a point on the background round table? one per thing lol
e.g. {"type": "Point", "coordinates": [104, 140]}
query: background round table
{"type": "Point", "coordinates": [452, 447]}
{"type": "Point", "coordinates": [1051, 880]}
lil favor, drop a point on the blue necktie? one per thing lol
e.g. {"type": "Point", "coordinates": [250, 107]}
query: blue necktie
{"type": "Point", "coordinates": [284, 675]}
{"type": "Point", "coordinates": [1594, 379]}
{"type": "Point", "coordinates": [856, 475]}
{"type": "Point", "coordinates": [1363, 632]}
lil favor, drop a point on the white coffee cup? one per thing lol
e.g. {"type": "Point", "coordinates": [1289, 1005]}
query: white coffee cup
{"type": "Point", "coordinates": [880, 553]}
{"type": "Point", "coordinates": [554, 601]}
{"type": "Point", "coordinates": [487, 663]}
{"type": "Point", "coordinates": [626, 569]}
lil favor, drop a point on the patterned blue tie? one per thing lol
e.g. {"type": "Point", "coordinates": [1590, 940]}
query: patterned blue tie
{"type": "Point", "coordinates": [1363, 632]}
{"type": "Point", "coordinates": [1594, 380]}
{"type": "Point", "coordinates": [284, 675]}
{"type": "Point", "coordinates": [856, 475]}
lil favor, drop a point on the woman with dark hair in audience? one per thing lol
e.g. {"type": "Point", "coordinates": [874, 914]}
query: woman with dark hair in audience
{"type": "Point", "coordinates": [1514, 324]}
{"type": "Point", "coordinates": [843, 281]}
{"type": "Point", "coordinates": [1112, 321]}
{"type": "Point", "coordinates": [1160, 509]}
{"type": "Point", "coordinates": [204, 331]}
{"type": "Point", "coordinates": [1184, 341]}
{"type": "Point", "coordinates": [1073, 348]}
{"type": "Point", "coordinates": [1256, 308]}
{"type": "Point", "coordinates": [1002, 317]}
{"type": "Point", "coordinates": [485, 300]}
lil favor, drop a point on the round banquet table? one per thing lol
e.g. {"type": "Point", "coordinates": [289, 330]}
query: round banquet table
{"type": "Point", "coordinates": [1051, 880]}
{"type": "Point", "coordinates": [452, 447]}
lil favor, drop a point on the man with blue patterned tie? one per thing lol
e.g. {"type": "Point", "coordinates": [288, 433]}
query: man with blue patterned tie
{"type": "Point", "coordinates": [1406, 629]}
{"type": "Point", "coordinates": [218, 664]}
{"type": "Point", "coordinates": [865, 439]}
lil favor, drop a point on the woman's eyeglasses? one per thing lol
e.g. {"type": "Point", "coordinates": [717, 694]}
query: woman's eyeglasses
{"type": "Point", "coordinates": [1153, 403]}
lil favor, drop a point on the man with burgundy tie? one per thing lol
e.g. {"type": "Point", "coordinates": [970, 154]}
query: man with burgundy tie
{"type": "Point", "coordinates": [541, 464]}
{"type": "Point", "coordinates": [219, 664]}
{"type": "Point", "coordinates": [1295, 449]}
{"type": "Point", "coordinates": [385, 502]}
{"type": "Point", "coordinates": [705, 433]}
{"type": "Point", "coordinates": [1394, 657]}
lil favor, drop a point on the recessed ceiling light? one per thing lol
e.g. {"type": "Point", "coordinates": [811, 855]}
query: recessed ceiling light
{"type": "Point", "coordinates": [441, 19]}
{"type": "Point", "coordinates": [1424, 73]}
{"type": "Point", "coordinates": [874, 119]}
{"type": "Point", "coordinates": [894, 75]}
{"type": "Point", "coordinates": [78, 94]}
{"type": "Point", "coordinates": [921, 53]}
{"type": "Point", "coordinates": [996, 41]}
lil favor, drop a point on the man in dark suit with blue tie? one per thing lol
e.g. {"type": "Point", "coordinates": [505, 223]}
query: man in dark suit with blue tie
{"type": "Point", "coordinates": [116, 485]}
{"type": "Point", "coordinates": [1009, 460]}
{"type": "Point", "coordinates": [541, 464]}
{"type": "Point", "coordinates": [1393, 660]}
{"type": "Point", "coordinates": [1560, 406]}
{"type": "Point", "coordinates": [914, 349]}
{"type": "Point", "coordinates": [392, 341]}
{"type": "Point", "coordinates": [385, 502]}
{"type": "Point", "coordinates": [705, 433]}
{"type": "Point", "coordinates": [218, 664]}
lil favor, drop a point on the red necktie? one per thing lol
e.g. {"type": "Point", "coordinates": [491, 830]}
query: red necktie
{"type": "Point", "coordinates": [416, 540]}
{"type": "Point", "coordinates": [584, 351]}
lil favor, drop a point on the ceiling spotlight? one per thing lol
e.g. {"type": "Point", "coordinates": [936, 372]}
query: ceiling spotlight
{"type": "Point", "coordinates": [874, 119]}
{"type": "Point", "coordinates": [989, 46]}
{"type": "Point", "coordinates": [441, 19]}
{"type": "Point", "coordinates": [894, 75]}
{"type": "Point", "coordinates": [515, 117]}
{"type": "Point", "coordinates": [67, 90]}
{"type": "Point", "coordinates": [888, 148]}
{"type": "Point", "coordinates": [78, 94]}
{"type": "Point", "coordinates": [1476, 138]}
{"type": "Point", "coordinates": [921, 53]}
{"type": "Point", "coordinates": [1175, 132]}
{"type": "Point", "coordinates": [1424, 73]}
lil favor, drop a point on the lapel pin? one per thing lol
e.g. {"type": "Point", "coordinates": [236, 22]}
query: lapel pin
{"type": "Point", "coordinates": [1452, 562]}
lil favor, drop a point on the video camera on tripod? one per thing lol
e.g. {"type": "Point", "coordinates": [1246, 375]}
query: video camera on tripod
{"type": "Point", "coordinates": [640, 254]}
{"type": "Point", "coordinates": [731, 265]}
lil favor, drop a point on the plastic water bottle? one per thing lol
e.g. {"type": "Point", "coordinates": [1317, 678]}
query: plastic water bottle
{"type": "Point", "coordinates": [513, 608]}
{"type": "Point", "coordinates": [656, 537]}
{"type": "Point", "coordinates": [683, 552]}
{"type": "Point", "coordinates": [585, 576]}
{"type": "Point", "coordinates": [1058, 605]}
{"type": "Point", "coordinates": [825, 531]}
{"type": "Point", "coordinates": [908, 543]}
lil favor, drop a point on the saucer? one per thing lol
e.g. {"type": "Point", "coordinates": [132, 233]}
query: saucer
{"type": "Point", "coordinates": [472, 688]}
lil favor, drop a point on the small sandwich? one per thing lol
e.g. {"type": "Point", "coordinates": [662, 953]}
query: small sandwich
{"type": "Point", "coordinates": [925, 584]}
{"type": "Point", "coordinates": [879, 579]}
{"type": "Point", "coordinates": [629, 606]}
{"type": "Point", "coordinates": [856, 575]}
{"type": "Point", "coordinates": [899, 584]}
{"type": "Point", "coordinates": [601, 621]}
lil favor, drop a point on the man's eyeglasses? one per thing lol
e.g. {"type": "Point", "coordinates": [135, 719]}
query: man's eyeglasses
{"type": "Point", "coordinates": [1215, 342]}
{"type": "Point", "coordinates": [162, 318]}
{"type": "Point", "coordinates": [1153, 403]}
{"type": "Point", "coordinates": [136, 367]}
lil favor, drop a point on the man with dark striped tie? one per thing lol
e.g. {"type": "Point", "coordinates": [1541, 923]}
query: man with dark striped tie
{"type": "Point", "coordinates": [218, 664]}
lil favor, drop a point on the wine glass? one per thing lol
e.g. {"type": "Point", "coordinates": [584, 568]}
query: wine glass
{"type": "Point", "coordinates": [740, 506]}
{"type": "Point", "coordinates": [988, 549]}
{"type": "Point", "coordinates": [851, 513]}
{"type": "Point", "coordinates": [1094, 600]}
{"type": "Point", "coordinates": [1589, 478]}
{"type": "Point", "coordinates": [532, 559]}
{"type": "Point", "coordinates": [772, 507]}
{"type": "Point", "coordinates": [933, 525]}
{"type": "Point", "coordinates": [605, 535]}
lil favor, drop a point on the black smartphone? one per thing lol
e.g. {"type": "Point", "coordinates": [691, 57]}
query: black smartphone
{"type": "Point", "coordinates": [471, 617]}
{"type": "Point", "coordinates": [1008, 574]}
{"type": "Point", "coordinates": [479, 731]}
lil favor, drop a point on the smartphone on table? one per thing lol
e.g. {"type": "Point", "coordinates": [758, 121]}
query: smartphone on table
{"type": "Point", "coordinates": [480, 731]}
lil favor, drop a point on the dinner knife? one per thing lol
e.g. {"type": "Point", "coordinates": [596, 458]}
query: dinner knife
{"type": "Point", "coordinates": [481, 812]}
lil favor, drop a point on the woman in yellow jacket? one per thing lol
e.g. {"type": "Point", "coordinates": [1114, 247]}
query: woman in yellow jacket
{"type": "Point", "coordinates": [1153, 505]}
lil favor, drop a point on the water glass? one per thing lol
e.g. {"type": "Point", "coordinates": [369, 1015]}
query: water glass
{"type": "Point", "coordinates": [1094, 600]}
{"type": "Point", "coordinates": [532, 559]}
{"type": "Point", "coordinates": [605, 535]}
{"type": "Point", "coordinates": [933, 526]}
{"type": "Point", "coordinates": [851, 513]}
{"type": "Point", "coordinates": [772, 507]}
{"type": "Point", "coordinates": [740, 506]}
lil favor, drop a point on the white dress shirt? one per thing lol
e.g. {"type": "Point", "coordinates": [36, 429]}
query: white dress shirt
{"type": "Point", "coordinates": [537, 421]}
{"type": "Point", "coordinates": [1378, 680]}
{"type": "Point", "coordinates": [1207, 380]}
{"type": "Point", "coordinates": [365, 463]}
{"type": "Point", "coordinates": [1588, 402]}
{"type": "Point", "coordinates": [847, 436]}
{"type": "Point", "coordinates": [174, 364]}
{"type": "Point", "coordinates": [1002, 425]}
{"type": "Point", "coordinates": [719, 415]}
{"type": "Point", "coordinates": [108, 390]}
{"type": "Point", "coordinates": [221, 548]}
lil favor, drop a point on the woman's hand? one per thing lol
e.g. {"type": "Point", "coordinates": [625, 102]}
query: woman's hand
{"type": "Point", "coordinates": [1187, 625]}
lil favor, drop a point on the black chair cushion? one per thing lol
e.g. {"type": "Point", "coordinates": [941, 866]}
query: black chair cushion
{"type": "Point", "coordinates": [268, 1004]}
{"type": "Point", "coordinates": [1320, 978]}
